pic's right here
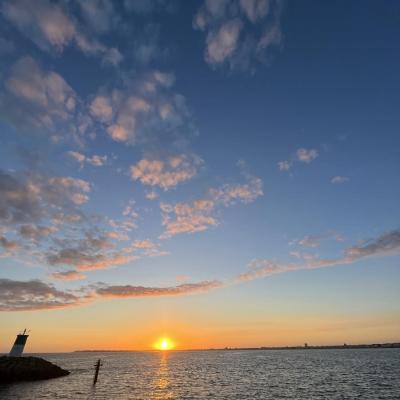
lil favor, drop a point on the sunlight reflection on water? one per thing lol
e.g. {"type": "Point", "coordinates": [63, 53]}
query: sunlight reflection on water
{"type": "Point", "coordinates": [367, 374]}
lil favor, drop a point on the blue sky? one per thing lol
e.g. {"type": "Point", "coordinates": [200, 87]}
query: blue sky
{"type": "Point", "coordinates": [238, 148]}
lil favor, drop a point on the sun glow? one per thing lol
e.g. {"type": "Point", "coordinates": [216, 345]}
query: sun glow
{"type": "Point", "coordinates": [164, 344]}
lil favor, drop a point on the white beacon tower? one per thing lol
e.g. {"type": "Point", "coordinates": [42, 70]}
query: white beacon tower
{"type": "Point", "coordinates": [19, 344]}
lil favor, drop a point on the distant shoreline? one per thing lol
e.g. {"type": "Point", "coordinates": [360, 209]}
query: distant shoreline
{"type": "Point", "coordinates": [305, 347]}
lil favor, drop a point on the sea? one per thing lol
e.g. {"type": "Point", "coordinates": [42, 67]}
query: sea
{"type": "Point", "coordinates": [367, 374]}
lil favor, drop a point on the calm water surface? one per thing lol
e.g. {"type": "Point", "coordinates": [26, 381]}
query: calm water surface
{"type": "Point", "coordinates": [299, 374]}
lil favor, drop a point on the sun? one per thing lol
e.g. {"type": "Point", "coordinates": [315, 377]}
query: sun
{"type": "Point", "coordinates": [164, 344]}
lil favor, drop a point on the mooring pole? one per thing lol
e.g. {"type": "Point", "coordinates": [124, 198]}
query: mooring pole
{"type": "Point", "coordinates": [96, 373]}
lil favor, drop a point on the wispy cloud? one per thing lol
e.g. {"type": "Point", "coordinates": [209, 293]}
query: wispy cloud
{"type": "Point", "coordinates": [67, 276]}
{"type": "Point", "coordinates": [129, 291]}
{"type": "Point", "coordinates": [314, 241]}
{"type": "Point", "coordinates": [239, 33]}
{"type": "Point", "coordinates": [37, 295]}
{"type": "Point", "coordinates": [385, 245]}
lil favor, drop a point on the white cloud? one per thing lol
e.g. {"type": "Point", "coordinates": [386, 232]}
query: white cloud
{"type": "Point", "coordinates": [284, 165]}
{"type": "Point", "coordinates": [339, 179]}
{"type": "Point", "coordinates": [306, 155]}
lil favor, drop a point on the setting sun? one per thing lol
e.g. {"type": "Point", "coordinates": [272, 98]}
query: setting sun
{"type": "Point", "coordinates": [164, 344]}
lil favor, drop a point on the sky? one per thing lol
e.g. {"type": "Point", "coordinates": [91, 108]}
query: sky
{"type": "Point", "coordinates": [220, 172]}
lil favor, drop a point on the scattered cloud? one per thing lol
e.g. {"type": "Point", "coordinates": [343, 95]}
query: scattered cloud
{"type": "Point", "coordinates": [36, 99]}
{"type": "Point", "coordinates": [8, 245]}
{"type": "Point", "coordinates": [37, 295]}
{"type": "Point", "coordinates": [284, 165]}
{"type": "Point", "coordinates": [229, 194]}
{"type": "Point", "coordinates": [33, 295]}
{"type": "Point", "coordinates": [67, 276]}
{"type": "Point", "coordinates": [166, 174]}
{"type": "Point", "coordinates": [198, 215]}
{"type": "Point", "coordinates": [95, 160]}
{"type": "Point", "coordinates": [145, 110]}
{"type": "Point", "coordinates": [144, 244]}
{"type": "Point", "coordinates": [314, 241]}
{"type": "Point", "coordinates": [239, 33]}
{"type": "Point", "coordinates": [91, 252]}
{"type": "Point", "coordinates": [88, 261]}
{"type": "Point", "coordinates": [187, 217]}
{"type": "Point", "coordinates": [36, 232]}
{"type": "Point", "coordinates": [152, 195]}
{"type": "Point", "coordinates": [25, 199]}
{"type": "Point", "coordinates": [385, 245]}
{"type": "Point", "coordinates": [339, 179]}
{"type": "Point", "coordinates": [52, 28]}
{"type": "Point", "coordinates": [302, 155]}
{"type": "Point", "coordinates": [306, 155]}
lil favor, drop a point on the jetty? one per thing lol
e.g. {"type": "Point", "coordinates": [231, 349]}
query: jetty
{"type": "Point", "coordinates": [15, 367]}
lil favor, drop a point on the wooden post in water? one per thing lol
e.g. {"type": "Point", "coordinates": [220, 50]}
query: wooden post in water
{"type": "Point", "coordinates": [96, 373]}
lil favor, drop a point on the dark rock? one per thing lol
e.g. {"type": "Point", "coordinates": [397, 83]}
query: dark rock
{"type": "Point", "coordinates": [15, 369]}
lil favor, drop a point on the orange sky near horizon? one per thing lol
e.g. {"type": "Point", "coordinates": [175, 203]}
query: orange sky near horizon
{"type": "Point", "coordinates": [53, 331]}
